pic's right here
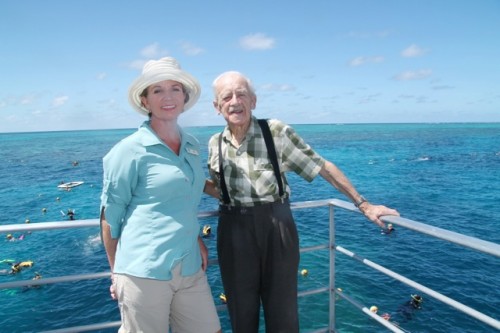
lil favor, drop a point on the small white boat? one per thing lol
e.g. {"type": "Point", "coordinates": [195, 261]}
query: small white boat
{"type": "Point", "coordinates": [70, 184]}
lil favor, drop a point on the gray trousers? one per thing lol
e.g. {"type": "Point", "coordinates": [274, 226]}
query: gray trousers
{"type": "Point", "coordinates": [258, 251]}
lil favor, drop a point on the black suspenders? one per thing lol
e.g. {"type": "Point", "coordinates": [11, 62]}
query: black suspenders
{"type": "Point", "coordinates": [223, 187]}
{"type": "Point", "coordinates": [271, 150]}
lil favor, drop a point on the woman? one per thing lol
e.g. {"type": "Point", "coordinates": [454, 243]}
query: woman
{"type": "Point", "coordinates": [153, 181]}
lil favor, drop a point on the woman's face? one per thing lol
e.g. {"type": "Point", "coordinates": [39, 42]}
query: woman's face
{"type": "Point", "coordinates": [165, 99]}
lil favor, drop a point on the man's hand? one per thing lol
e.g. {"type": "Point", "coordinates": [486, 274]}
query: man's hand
{"type": "Point", "coordinates": [374, 212]}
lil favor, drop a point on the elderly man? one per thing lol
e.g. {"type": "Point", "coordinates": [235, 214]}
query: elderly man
{"type": "Point", "coordinates": [257, 239]}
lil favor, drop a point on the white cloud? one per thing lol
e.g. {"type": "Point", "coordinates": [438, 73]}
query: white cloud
{"type": "Point", "coordinates": [419, 99]}
{"type": "Point", "coordinates": [191, 49]}
{"type": "Point", "coordinates": [101, 76]}
{"type": "Point", "coordinates": [257, 41]}
{"type": "Point", "coordinates": [359, 61]}
{"type": "Point", "coordinates": [137, 64]}
{"type": "Point", "coordinates": [59, 101]}
{"type": "Point", "coordinates": [413, 51]}
{"type": "Point", "coordinates": [277, 87]}
{"type": "Point", "coordinates": [413, 75]}
{"type": "Point", "coordinates": [28, 99]}
{"type": "Point", "coordinates": [442, 87]}
{"type": "Point", "coordinates": [368, 98]}
{"type": "Point", "coordinates": [151, 51]}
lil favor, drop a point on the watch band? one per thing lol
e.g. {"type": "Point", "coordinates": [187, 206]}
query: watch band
{"type": "Point", "coordinates": [360, 201]}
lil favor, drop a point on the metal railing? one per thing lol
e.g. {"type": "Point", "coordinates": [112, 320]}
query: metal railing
{"type": "Point", "coordinates": [460, 239]}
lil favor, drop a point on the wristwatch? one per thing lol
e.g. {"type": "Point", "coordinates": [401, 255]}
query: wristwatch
{"type": "Point", "coordinates": [360, 201]}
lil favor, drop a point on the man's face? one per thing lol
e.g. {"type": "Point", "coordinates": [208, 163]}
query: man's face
{"type": "Point", "coordinates": [234, 100]}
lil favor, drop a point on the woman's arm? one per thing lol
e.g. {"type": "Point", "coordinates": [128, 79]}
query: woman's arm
{"type": "Point", "coordinates": [204, 254]}
{"type": "Point", "coordinates": [110, 245]}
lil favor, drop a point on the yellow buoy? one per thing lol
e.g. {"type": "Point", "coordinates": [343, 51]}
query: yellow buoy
{"type": "Point", "coordinates": [304, 272]}
{"type": "Point", "coordinates": [374, 309]}
{"type": "Point", "coordinates": [207, 230]}
{"type": "Point", "coordinates": [28, 263]}
{"type": "Point", "coordinates": [223, 298]}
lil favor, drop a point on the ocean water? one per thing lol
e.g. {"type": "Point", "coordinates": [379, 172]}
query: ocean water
{"type": "Point", "coordinates": [445, 175]}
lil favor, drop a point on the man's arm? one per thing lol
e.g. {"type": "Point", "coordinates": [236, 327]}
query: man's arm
{"type": "Point", "coordinates": [332, 174]}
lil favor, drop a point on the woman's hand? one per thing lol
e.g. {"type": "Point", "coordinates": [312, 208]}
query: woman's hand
{"type": "Point", "coordinates": [204, 254]}
{"type": "Point", "coordinates": [112, 289]}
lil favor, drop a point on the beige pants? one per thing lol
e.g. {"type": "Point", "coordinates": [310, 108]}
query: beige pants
{"type": "Point", "coordinates": [150, 306]}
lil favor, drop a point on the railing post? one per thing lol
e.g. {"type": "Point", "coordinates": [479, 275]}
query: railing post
{"type": "Point", "coordinates": [331, 324]}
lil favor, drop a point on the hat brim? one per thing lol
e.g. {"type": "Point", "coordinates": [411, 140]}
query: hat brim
{"type": "Point", "coordinates": [190, 83]}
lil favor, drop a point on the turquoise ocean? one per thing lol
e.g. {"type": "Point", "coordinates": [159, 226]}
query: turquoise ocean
{"type": "Point", "coordinates": [444, 175]}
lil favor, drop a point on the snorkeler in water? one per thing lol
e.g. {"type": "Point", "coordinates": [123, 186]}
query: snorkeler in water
{"type": "Point", "coordinates": [408, 309]}
{"type": "Point", "coordinates": [15, 267]}
{"type": "Point", "coordinates": [37, 276]}
{"type": "Point", "coordinates": [388, 230]}
{"type": "Point", "coordinates": [70, 214]}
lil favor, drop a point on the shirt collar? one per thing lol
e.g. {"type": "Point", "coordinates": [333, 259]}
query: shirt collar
{"type": "Point", "coordinates": [254, 125]}
{"type": "Point", "coordinates": [148, 136]}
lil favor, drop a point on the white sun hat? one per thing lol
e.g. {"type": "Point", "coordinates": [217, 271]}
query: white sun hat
{"type": "Point", "coordinates": [160, 70]}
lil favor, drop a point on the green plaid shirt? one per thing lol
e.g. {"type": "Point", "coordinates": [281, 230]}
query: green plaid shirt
{"type": "Point", "coordinates": [248, 171]}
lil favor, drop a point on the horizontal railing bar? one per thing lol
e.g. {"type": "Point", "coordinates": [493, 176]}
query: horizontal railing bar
{"type": "Point", "coordinates": [71, 278]}
{"type": "Point", "coordinates": [38, 226]}
{"type": "Point", "coordinates": [367, 311]}
{"type": "Point", "coordinates": [315, 203]}
{"type": "Point", "coordinates": [215, 261]}
{"type": "Point", "coordinates": [208, 214]}
{"type": "Point", "coordinates": [312, 291]}
{"type": "Point", "coordinates": [86, 328]}
{"type": "Point", "coordinates": [454, 237]}
{"type": "Point", "coordinates": [314, 248]}
{"type": "Point", "coordinates": [95, 222]}
{"type": "Point", "coordinates": [457, 305]}
{"type": "Point", "coordinates": [51, 280]}
{"type": "Point", "coordinates": [221, 307]}
{"type": "Point", "coordinates": [466, 241]}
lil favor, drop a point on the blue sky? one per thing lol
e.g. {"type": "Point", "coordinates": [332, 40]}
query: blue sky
{"type": "Point", "coordinates": [67, 65]}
